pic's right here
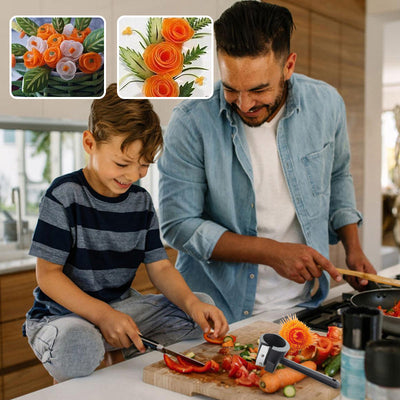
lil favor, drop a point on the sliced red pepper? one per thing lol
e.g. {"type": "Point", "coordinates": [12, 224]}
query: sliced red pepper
{"type": "Point", "coordinates": [336, 335]}
{"type": "Point", "coordinates": [324, 349]}
{"type": "Point", "coordinates": [196, 368]}
{"type": "Point", "coordinates": [214, 366]}
{"type": "Point", "coordinates": [171, 364]}
{"type": "Point", "coordinates": [212, 340]}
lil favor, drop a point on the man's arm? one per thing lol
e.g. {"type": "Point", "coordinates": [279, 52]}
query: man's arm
{"type": "Point", "coordinates": [296, 262]}
{"type": "Point", "coordinates": [355, 257]}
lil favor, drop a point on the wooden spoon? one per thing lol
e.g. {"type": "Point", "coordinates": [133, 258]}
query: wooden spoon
{"type": "Point", "coordinates": [370, 277]}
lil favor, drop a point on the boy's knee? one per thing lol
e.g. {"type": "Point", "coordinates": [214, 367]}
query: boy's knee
{"type": "Point", "coordinates": [76, 353]}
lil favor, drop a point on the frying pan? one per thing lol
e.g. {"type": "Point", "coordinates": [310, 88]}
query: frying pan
{"type": "Point", "coordinates": [386, 298]}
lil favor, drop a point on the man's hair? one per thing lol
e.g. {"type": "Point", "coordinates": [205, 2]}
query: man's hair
{"type": "Point", "coordinates": [134, 119]}
{"type": "Point", "coordinates": [253, 28]}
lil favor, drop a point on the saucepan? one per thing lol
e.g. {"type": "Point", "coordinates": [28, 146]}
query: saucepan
{"type": "Point", "coordinates": [386, 298]}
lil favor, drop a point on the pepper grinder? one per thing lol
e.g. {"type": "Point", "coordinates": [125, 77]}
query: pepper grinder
{"type": "Point", "coordinates": [382, 370]}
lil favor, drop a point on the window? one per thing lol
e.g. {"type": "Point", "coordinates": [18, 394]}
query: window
{"type": "Point", "coordinates": [30, 159]}
{"type": "Point", "coordinates": [32, 154]}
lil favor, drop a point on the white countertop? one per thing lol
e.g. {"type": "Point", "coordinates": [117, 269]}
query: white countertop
{"type": "Point", "coordinates": [123, 381]}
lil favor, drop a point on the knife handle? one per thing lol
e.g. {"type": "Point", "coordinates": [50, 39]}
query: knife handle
{"type": "Point", "coordinates": [149, 343]}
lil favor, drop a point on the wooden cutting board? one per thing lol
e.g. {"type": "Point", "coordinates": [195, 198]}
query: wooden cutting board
{"type": "Point", "coordinates": [219, 385]}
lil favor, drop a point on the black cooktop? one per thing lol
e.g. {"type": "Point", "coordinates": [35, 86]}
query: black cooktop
{"type": "Point", "coordinates": [329, 314]}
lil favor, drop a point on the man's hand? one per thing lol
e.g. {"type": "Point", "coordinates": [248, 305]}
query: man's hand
{"type": "Point", "coordinates": [209, 318]}
{"type": "Point", "coordinates": [119, 330]}
{"type": "Point", "coordinates": [301, 263]}
{"type": "Point", "coordinates": [357, 261]}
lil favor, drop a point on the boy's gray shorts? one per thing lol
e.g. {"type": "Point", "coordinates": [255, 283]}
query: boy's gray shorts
{"type": "Point", "coordinates": [70, 346]}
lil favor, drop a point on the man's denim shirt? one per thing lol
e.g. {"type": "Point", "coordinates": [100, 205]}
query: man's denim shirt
{"type": "Point", "coordinates": [206, 186]}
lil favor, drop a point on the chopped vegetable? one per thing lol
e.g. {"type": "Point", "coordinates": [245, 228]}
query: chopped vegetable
{"type": "Point", "coordinates": [171, 364]}
{"type": "Point", "coordinates": [333, 367]}
{"type": "Point", "coordinates": [324, 348]}
{"type": "Point", "coordinates": [392, 312]}
{"type": "Point", "coordinates": [212, 340]}
{"type": "Point", "coordinates": [271, 382]}
{"type": "Point", "coordinates": [190, 355]}
{"type": "Point", "coordinates": [297, 334]}
{"type": "Point", "coordinates": [336, 335]}
{"type": "Point", "coordinates": [289, 391]}
{"type": "Point", "coordinates": [204, 368]}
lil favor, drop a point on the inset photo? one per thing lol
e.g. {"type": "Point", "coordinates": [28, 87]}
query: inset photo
{"type": "Point", "coordinates": [167, 56]}
{"type": "Point", "coordinates": [57, 57]}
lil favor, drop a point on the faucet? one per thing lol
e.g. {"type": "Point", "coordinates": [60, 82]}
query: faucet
{"type": "Point", "coordinates": [16, 199]}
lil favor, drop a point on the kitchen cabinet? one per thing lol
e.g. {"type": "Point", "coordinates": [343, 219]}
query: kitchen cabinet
{"type": "Point", "coordinates": [20, 371]}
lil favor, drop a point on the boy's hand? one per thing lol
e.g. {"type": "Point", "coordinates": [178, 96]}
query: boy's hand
{"type": "Point", "coordinates": [119, 330]}
{"type": "Point", "coordinates": [209, 317]}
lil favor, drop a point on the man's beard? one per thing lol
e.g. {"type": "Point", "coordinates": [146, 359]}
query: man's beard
{"type": "Point", "coordinates": [271, 108]}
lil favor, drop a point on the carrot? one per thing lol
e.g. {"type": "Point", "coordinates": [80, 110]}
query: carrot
{"type": "Point", "coordinates": [271, 382]}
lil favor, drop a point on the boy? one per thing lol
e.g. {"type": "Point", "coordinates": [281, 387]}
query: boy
{"type": "Point", "coordinates": [94, 229]}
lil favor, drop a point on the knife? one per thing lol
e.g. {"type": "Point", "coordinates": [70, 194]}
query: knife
{"type": "Point", "coordinates": [159, 347]}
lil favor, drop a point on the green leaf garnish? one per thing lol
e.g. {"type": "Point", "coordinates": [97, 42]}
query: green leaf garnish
{"type": "Point", "coordinates": [134, 61]}
{"type": "Point", "coordinates": [28, 26]}
{"type": "Point", "coordinates": [186, 90]}
{"type": "Point", "coordinates": [154, 25]}
{"type": "Point", "coordinates": [35, 79]}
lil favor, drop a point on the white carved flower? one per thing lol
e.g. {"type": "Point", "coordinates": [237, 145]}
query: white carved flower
{"type": "Point", "coordinates": [68, 29]}
{"type": "Point", "coordinates": [37, 43]}
{"type": "Point", "coordinates": [71, 49]}
{"type": "Point", "coordinates": [66, 68]}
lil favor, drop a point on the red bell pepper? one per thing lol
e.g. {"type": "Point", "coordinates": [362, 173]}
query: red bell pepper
{"type": "Point", "coordinates": [171, 364]}
{"type": "Point", "coordinates": [336, 335]}
{"type": "Point", "coordinates": [324, 349]}
{"type": "Point", "coordinates": [204, 368]}
{"type": "Point", "coordinates": [212, 340]}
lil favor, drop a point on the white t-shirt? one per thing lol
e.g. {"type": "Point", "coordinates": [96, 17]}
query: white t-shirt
{"type": "Point", "coordinates": [276, 215]}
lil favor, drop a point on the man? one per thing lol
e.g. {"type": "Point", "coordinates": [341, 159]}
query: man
{"type": "Point", "coordinates": [255, 181]}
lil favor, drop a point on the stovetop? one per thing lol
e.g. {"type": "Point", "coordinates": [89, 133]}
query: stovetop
{"type": "Point", "coordinates": [329, 314]}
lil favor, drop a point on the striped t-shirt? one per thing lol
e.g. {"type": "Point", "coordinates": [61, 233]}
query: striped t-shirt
{"type": "Point", "coordinates": [99, 240]}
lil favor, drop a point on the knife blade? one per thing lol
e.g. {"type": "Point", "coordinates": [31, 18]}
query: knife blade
{"type": "Point", "coordinates": [159, 347]}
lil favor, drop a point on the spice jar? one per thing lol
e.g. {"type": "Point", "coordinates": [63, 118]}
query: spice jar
{"type": "Point", "coordinates": [382, 370]}
{"type": "Point", "coordinates": [360, 325]}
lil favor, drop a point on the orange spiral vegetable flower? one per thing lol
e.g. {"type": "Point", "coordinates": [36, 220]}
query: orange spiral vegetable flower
{"type": "Point", "coordinates": [44, 31]}
{"type": "Point", "coordinates": [296, 333]}
{"type": "Point", "coordinates": [176, 30]}
{"type": "Point", "coordinates": [33, 59]}
{"type": "Point", "coordinates": [52, 55]}
{"type": "Point", "coordinates": [78, 36]}
{"type": "Point", "coordinates": [55, 40]}
{"type": "Point", "coordinates": [90, 62]}
{"type": "Point", "coordinates": [13, 61]}
{"type": "Point", "coordinates": [160, 86]}
{"type": "Point", "coordinates": [164, 57]}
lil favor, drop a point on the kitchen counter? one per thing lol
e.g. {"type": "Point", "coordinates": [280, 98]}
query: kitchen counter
{"type": "Point", "coordinates": [123, 381]}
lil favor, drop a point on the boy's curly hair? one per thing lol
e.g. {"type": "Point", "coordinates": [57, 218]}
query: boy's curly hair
{"type": "Point", "coordinates": [135, 119]}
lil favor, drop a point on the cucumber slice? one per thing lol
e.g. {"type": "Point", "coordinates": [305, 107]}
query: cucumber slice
{"type": "Point", "coordinates": [289, 391]}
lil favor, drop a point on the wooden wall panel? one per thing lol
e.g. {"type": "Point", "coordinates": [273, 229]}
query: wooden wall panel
{"type": "Point", "coordinates": [14, 347]}
{"type": "Point", "coordinates": [348, 12]}
{"type": "Point", "coordinates": [325, 50]}
{"type": "Point", "coordinates": [16, 296]}
{"type": "Point", "coordinates": [300, 40]}
{"type": "Point", "coordinates": [25, 381]}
